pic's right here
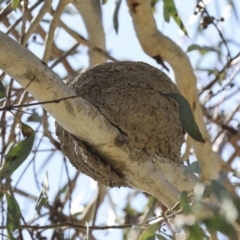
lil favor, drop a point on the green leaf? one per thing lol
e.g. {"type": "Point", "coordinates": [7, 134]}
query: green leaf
{"type": "Point", "coordinates": [43, 197]}
{"type": "Point", "coordinates": [160, 237]}
{"type": "Point", "coordinates": [236, 202]}
{"type": "Point", "coordinates": [219, 190]}
{"type": "Point", "coordinates": [153, 4]}
{"type": "Point", "coordinates": [104, 1]}
{"type": "Point", "coordinates": [13, 215]}
{"type": "Point", "coordinates": [203, 50]}
{"type": "Point", "coordinates": [15, 4]}
{"type": "Point", "coordinates": [1, 194]}
{"type": "Point", "coordinates": [151, 237]}
{"type": "Point", "coordinates": [186, 117]}
{"type": "Point", "coordinates": [184, 202]}
{"type": "Point", "coordinates": [2, 91]}
{"type": "Point", "coordinates": [228, 206]}
{"type": "Point", "coordinates": [195, 232]}
{"type": "Point", "coordinates": [35, 117]}
{"type": "Point", "coordinates": [130, 211]}
{"type": "Point", "coordinates": [207, 192]}
{"type": "Point", "coordinates": [220, 224]}
{"type": "Point", "coordinates": [166, 14]}
{"type": "Point", "coordinates": [18, 154]}
{"type": "Point", "coordinates": [115, 14]}
{"type": "Point", "coordinates": [42, 200]}
{"type": "Point", "coordinates": [64, 189]}
{"type": "Point", "coordinates": [150, 231]}
{"type": "Point", "coordinates": [193, 168]}
{"type": "Point", "coordinates": [151, 201]}
{"type": "Point", "coordinates": [170, 9]}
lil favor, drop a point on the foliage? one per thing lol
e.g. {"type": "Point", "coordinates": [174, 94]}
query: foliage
{"type": "Point", "coordinates": [74, 206]}
{"type": "Point", "coordinates": [13, 215]}
{"type": "Point", "coordinates": [186, 117]}
{"type": "Point", "coordinates": [18, 153]}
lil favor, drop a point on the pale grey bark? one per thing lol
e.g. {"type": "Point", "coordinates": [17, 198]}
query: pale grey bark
{"type": "Point", "coordinates": [80, 118]}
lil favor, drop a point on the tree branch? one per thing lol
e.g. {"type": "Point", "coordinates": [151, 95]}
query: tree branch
{"type": "Point", "coordinates": [91, 14]}
{"type": "Point", "coordinates": [48, 44]}
{"type": "Point", "coordinates": [158, 177]}
{"type": "Point", "coordinates": [158, 46]}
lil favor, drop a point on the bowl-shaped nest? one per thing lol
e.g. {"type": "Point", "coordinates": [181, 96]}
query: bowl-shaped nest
{"type": "Point", "coordinates": [131, 97]}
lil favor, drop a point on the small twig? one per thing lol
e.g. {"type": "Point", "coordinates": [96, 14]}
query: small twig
{"type": "Point", "coordinates": [22, 92]}
{"type": "Point", "coordinates": [49, 40]}
{"type": "Point", "coordinates": [84, 41]}
{"type": "Point", "coordinates": [218, 30]}
{"type": "Point", "coordinates": [66, 98]}
{"type": "Point", "coordinates": [46, 131]}
{"type": "Point", "coordinates": [64, 55]}
{"type": "Point", "coordinates": [36, 20]}
{"type": "Point", "coordinates": [24, 20]}
{"type": "Point", "coordinates": [66, 224]}
{"type": "Point", "coordinates": [12, 27]}
{"type": "Point", "coordinates": [227, 65]}
{"type": "Point", "coordinates": [38, 103]}
{"type": "Point", "coordinates": [70, 184]}
{"type": "Point", "coordinates": [4, 12]}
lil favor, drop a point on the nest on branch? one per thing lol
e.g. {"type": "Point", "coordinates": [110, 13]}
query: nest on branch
{"type": "Point", "coordinates": [130, 95]}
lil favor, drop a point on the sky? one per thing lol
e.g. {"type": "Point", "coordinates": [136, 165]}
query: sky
{"type": "Point", "coordinates": [122, 46]}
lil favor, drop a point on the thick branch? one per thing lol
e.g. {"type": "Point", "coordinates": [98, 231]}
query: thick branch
{"type": "Point", "coordinates": [91, 14]}
{"type": "Point", "coordinates": [73, 114]}
{"type": "Point", "coordinates": [83, 120]}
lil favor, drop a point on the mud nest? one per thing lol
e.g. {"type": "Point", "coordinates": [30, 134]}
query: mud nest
{"type": "Point", "coordinates": [131, 97]}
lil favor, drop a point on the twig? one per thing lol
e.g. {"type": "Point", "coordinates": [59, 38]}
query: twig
{"type": "Point", "coordinates": [36, 20]}
{"type": "Point", "coordinates": [4, 12]}
{"type": "Point", "coordinates": [84, 41]}
{"type": "Point", "coordinates": [66, 98]}
{"type": "Point", "coordinates": [24, 20]}
{"type": "Point", "coordinates": [53, 25]}
{"type": "Point", "coordinates": [12, 27]}
{"type": "Point", "coordinates": [64, 55]}
{"type": "Point", "coordinates": [21, 92]}
{"type": "Point", "coordinates": [70, 225]}
{"type": "Point", "coordinates": [218, 30]}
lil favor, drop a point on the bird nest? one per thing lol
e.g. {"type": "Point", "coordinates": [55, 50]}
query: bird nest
{"type": "Point", "coordinates": [131, 97]}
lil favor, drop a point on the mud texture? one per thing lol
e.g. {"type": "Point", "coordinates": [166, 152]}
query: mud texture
{"type": "Point", "coordinates": [131, 97]}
